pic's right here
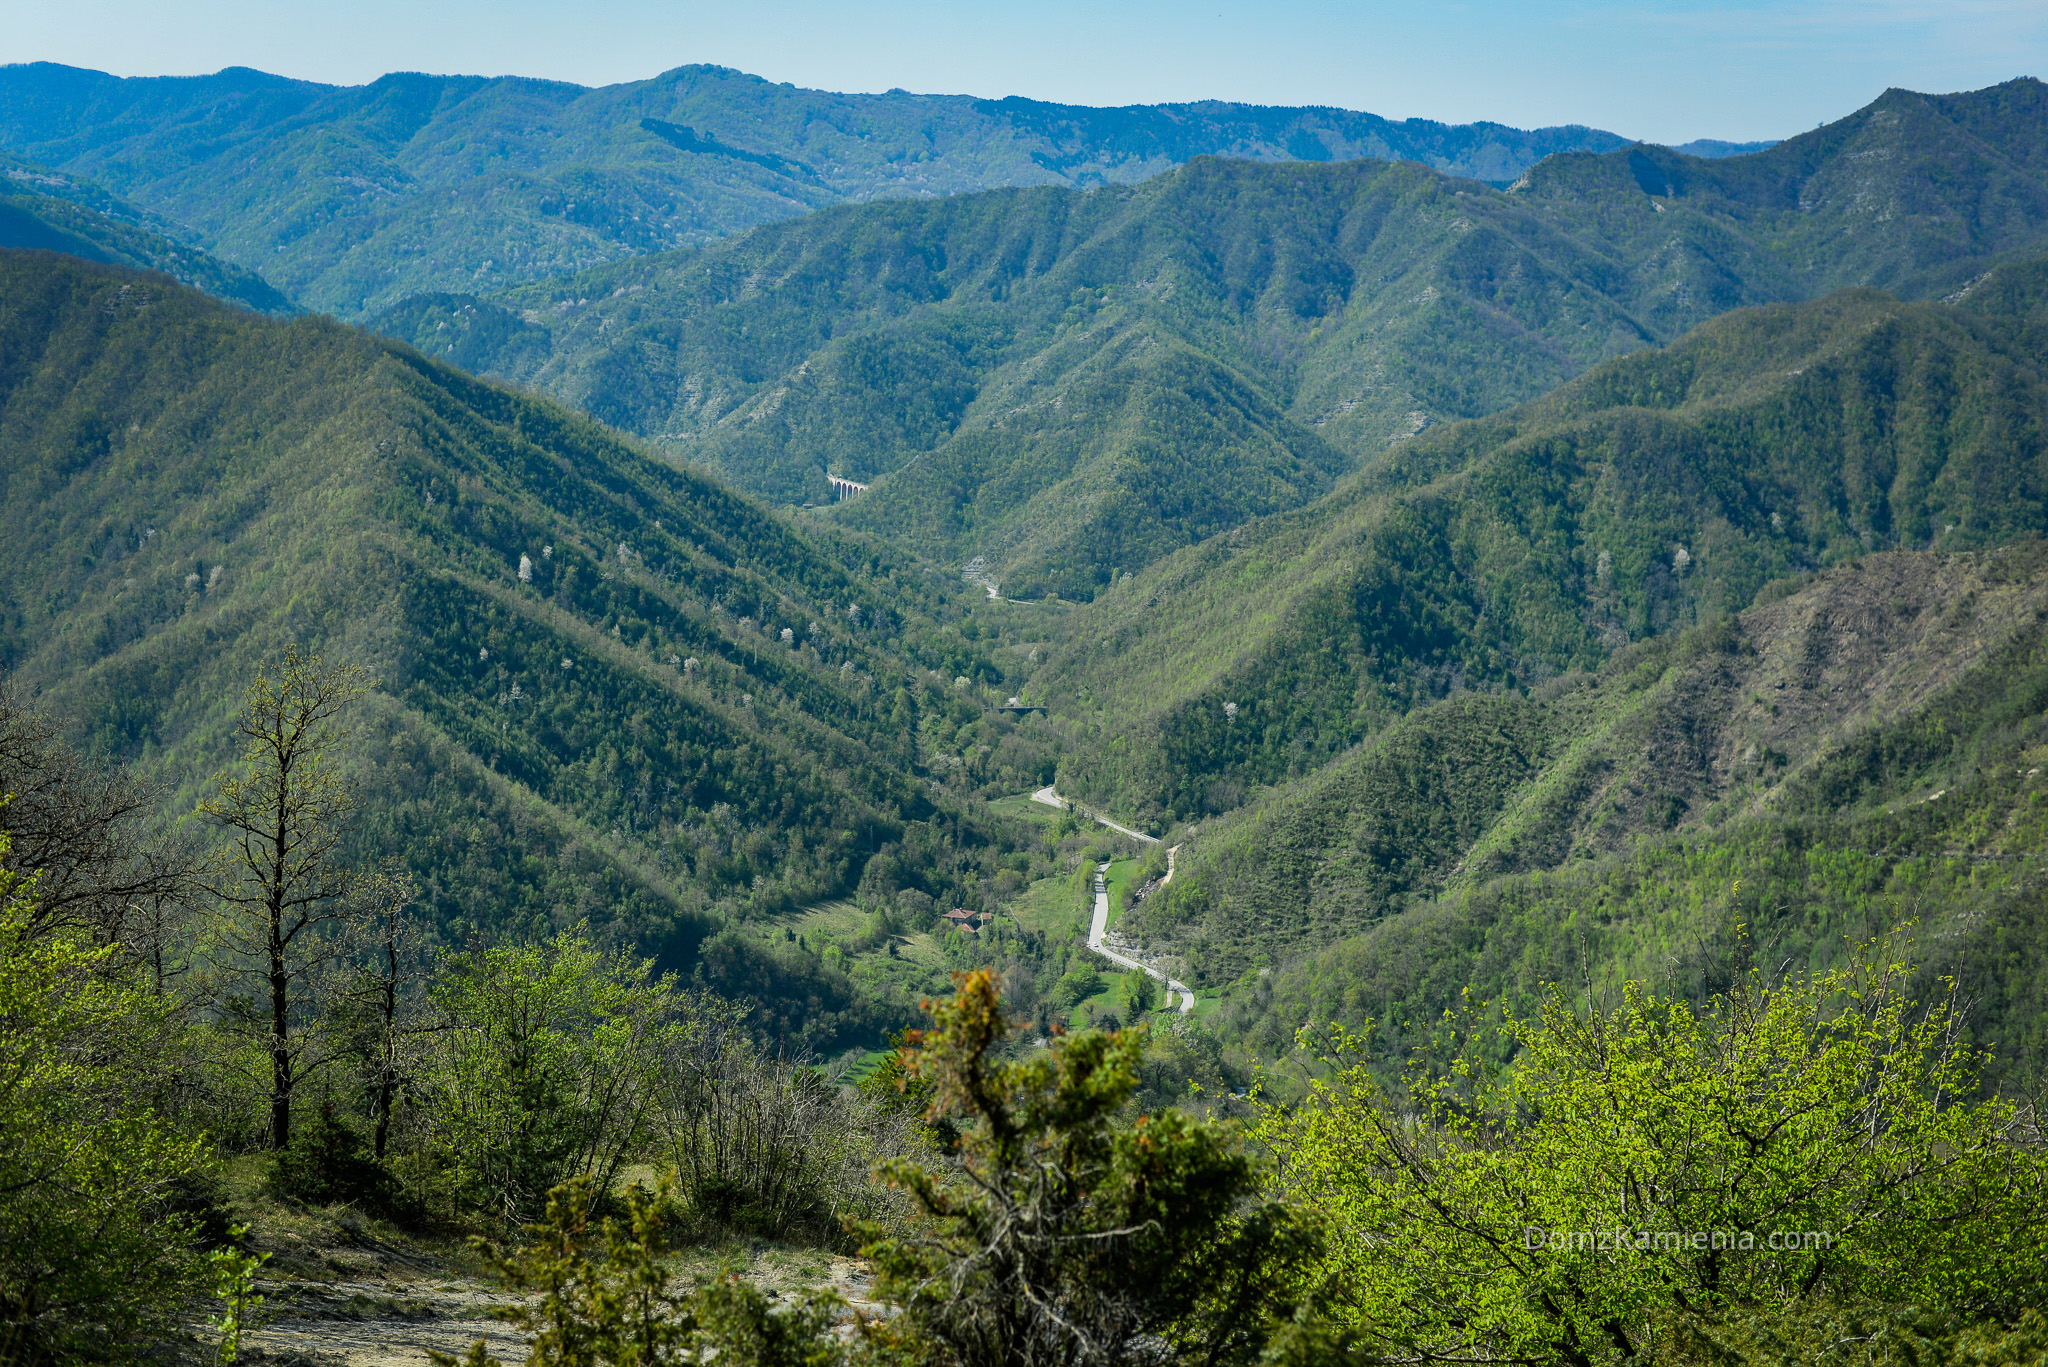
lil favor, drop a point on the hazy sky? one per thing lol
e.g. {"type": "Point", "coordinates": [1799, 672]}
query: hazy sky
{"type": "Point", "coordinates": [1667, 70]}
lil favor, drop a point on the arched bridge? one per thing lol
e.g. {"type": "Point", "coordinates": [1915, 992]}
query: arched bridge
{"type": "Point", "coordinates": [843, 489]}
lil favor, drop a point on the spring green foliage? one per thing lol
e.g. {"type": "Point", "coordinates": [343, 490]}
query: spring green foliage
{"type": "Point", "coordinates": [622, 735]}
{"type": "Point", "coordinates": [549, 1070]}
{"type": "Point", "coordinates": [1064, 1236]}
{"type": "Point", "coordinates": [353, 197]}
{"type": "Point", "coordinates": [234, 1286]}
{"type": "Point", "coordinates": [1638, 1172]}
{"type": "Point", "coordinates": [94, 1262]}
{"type": "Point", "coordinates": [1072, 385]}
{"type": "Point", "coordinates": [1661, 490]}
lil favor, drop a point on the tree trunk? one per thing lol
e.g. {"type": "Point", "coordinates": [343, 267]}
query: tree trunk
{"type": "Point", "coordinates": [390, 1069]}
{"type": "Point", "coordinates": [280, 1017]}
{"type": "Point", "coordinates": [280, 1056]}
{"type": "Point", "coordinates": [383, 1111]}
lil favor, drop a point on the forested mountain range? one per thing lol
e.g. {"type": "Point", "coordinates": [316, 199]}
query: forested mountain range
{"type": "Point", "coordinates": [1361, 467]}
{"type": "Point", "coordinates": [1660, 490]}
{"type": "Point", "coordinates": [1863, 752]}
{"type": "Point", "coordinates": [609, 690]}
{"type": "Point", "coordinates": [1071, 384]}
{"type": "Point", "coordinates": [349, 198]}
{"type": "Point", "coordinates": [1530, 629]}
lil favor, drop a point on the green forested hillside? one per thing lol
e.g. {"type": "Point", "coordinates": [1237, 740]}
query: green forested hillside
{"type": "Point", "coordinates": [1865, 752]}
{"type": "Point", "coordinates": [1069, 384]}
{"type": "Point", "coordinates": [609, 690]}
{"type": "Point", "coordinates": [43, 211]}
{"type": "Point", "coordinates": [1745, 716]}
{"type": "Point", "coordinates": [1663, 489]}
{"type": "Point", "coordinates": [352, 197]}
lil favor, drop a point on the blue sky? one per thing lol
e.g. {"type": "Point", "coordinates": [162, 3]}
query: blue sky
{"type": "Point", "coordinates": [1666, 70]}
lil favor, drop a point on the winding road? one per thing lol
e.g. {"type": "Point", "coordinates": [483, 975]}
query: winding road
{"type": "Point", "coordinates": [1053, 799]}
{"type": "Point", "coordinates": [1098, 928]}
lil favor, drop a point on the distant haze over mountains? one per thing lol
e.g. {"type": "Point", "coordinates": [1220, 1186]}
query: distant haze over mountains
{"type": "Point", "coordinates": [350, 198]}
{"type": "Point", "coordinates": [1072, 384]}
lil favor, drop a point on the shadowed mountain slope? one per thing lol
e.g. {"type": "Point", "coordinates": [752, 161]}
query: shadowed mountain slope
{"type": "Point", "coordinates": [1866, 752]}
{"type": "Point", "coordinates": [44, 211]}
{"type": "Point", "coordinates": [1806, 705]}
{"type": "Point", "coordinates": [587, 707]}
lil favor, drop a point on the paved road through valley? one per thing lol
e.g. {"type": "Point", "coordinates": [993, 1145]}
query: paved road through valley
{"type": "Point", "coordinates": [1098, 928]}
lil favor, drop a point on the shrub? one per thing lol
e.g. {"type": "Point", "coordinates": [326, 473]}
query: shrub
{"type": "Point", "coordinates": [1651, 1173]}
{"type": "Point", "coordinates": [1062, 1236]}
{"type": "Point", "coordinates": [95, 1263]}
{"type": "Point", "coordinates": [329, 1162]}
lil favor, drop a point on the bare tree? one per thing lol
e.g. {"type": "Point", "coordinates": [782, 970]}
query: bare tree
{"type": "Point", "coordinates": [282, 807]}
{"type": "Point", "coordinates": [74, 823]}
{"type": "Point", "coordinates": [765, 1143]}
{"type": "Point", "coordinates": [390, 943]}
{"type": "Point", "coordinates": [154, 927]}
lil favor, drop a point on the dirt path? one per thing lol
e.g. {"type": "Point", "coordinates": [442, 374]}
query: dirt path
{"type": "Point", "coordinates": [394, 1321]}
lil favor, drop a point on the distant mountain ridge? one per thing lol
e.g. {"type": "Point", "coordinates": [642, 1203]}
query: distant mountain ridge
{"type": "Point", "coordinates": [350, 198]}
{"type": "Point", "coordinates": [1070, 384]}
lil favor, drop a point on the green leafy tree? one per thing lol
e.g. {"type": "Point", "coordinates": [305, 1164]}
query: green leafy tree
{"type": "Point", "coordinates": [1140, 994]}
{"type": "Point", "coordinates": [94, 1262]}
{"type": "Point", "coordinates": [1064, 1236]}
{"type": "Point", "coordinates": [1654, 1172]}
{"type": "Point", "coordinates": [547, 1070]}
{"type": "Point", "coordinates": [277, 872]}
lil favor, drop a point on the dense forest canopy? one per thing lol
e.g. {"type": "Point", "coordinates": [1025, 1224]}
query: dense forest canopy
{"type": "Point", "coordinates": [607, 690]}
{"type": "Point", "coordinates": [351, 197]}
{"type": "Point", "coordinates": [1391, 767]}
{"type": "Point", "coordinates": [1069, 385]}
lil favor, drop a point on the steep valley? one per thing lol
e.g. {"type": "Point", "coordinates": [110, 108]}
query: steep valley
{"type": "Point", "coordinates": [1862, 753]}
{"type": "Point", "coordinates": [1068, 385]}
{"type": "Point", "coordinates": [610, 692]}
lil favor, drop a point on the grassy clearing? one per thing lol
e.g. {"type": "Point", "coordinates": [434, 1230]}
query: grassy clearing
{"type": "Point", "coordinates": [863, 1067]}
{"type": "Point", "coordinates": [825, 922]}
{"type": "Point", "coordinates": [1051, 907]}
{"type": "Point", "coordinates": [1110, 998]}
{"type": "Point", "coordinates": [1022, 807]}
